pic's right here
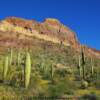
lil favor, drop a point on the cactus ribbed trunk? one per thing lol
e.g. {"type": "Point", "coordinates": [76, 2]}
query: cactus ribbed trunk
{"type": "Point", "coordinates": [27, 70]}
{"type": "Point", "coordinates": [84, 72]}
{"type": "Point", "coordinates": [92, 67]}
{"type": "Point", "coordinates": [80, 68]}
{"type": "Point", "coordinates": [11, 57]}
{"type": "Point", "coordinates": [52, 73]}
{"type": "Point", "coordinates": [83, 62]}
{"type": "Point", "coordinates": [19, 58]}
{"type": "Point", "coordinates": [5, 68]}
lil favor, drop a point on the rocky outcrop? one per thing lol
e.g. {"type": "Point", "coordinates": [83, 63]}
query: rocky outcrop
{"type": "Point", "coordinates": [48, 30]}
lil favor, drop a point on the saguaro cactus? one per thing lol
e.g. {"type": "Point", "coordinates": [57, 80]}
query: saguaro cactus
{"type": "Point", "coordinates": [92, 67]}
{"type": "Point", "coordinates": [11, 57]}
{"type": "Point", "coordinates": [19, 58]}
{"type": "Point", "coordinates": [5, 68]}
{"type": "Point", "coordinates": [83, 61]}
{"type": "Point", "coordinates": [79, 65]}
{"type": "Point", "coordinates": [52, 71]}
{"type": "Point", "coordinates": [27, 70]}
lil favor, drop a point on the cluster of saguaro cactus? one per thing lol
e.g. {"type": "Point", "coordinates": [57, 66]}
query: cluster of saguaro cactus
{"type": "Point", "coordinates": [5, 68]}
{"type": "Point", "coordinates": [82, 64]}
{"type": "Point", "coordinates": [27, 67]}
{"type": "Point", "coordinates": [27, 70]}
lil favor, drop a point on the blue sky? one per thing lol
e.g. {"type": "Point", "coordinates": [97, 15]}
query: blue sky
{"type": "Point", "coordinates": [82, 16]}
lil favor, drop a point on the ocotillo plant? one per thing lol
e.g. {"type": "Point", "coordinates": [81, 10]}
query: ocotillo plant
{"type": "Point", "coordinates": [92, 67]}
{"type": "Point", "coordinates": [83, 61]}
{"type": "Point", "coordinates": [5, 68]}
{"type": "Point", "coordinates": [11, 57]}
{"type": "Point", "coordinates": [27, 71]}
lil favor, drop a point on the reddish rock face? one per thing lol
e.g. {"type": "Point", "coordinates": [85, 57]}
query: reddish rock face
{"type": "Point", "coordinates": [50, 27]}
{"type": "Point", "coordinates": [61, 31]}
{"type": "Point", "coordinates": [53, 29]}
{"type": "Point", "coordinates": [20, 22]}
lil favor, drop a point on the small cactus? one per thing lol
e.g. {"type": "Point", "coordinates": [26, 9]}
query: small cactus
{"type": "Point", "coordinates": [27, 70]}
{"type": "Point", "coordinates": [5, 68]}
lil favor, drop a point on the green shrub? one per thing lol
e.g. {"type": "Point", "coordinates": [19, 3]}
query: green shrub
{"type": "Point", "coordinates": [62, 87]}
{"type": "Point", "coordinates": [84, 84]}
{"type": "Point", "coordinates": [89, 97]}
{"type": "Point", "coordinates": [97, 83]}
{"type": "Point", "coordinates": [17, 79]}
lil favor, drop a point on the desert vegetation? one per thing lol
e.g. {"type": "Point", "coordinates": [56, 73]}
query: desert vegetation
{"type": "Point", "coordinates": [35, 63]}
{"type": "Point", "coordinates": [48, 71]}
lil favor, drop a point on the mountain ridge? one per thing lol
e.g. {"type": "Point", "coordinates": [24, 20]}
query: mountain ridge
{"type": "Point", "coordinates": [49, 30]}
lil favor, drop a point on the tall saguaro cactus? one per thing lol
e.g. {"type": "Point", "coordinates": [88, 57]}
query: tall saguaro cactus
{"type": "Point", "coordinates": [19, 58]}
{"type": "Point", "coordinates": [79, 65]}
{"type": "Point", "coordinates": [11, 57]}
{"type": "Point", "coordinates": [83, 61]}
{"type": "Point", "coordinates": [92, 67]}
{"type": "Point", "coordinates": [27, 70]}
{"type": "Point", "coordinates": [5, 68]}
{"type": "Point", "coordinates": [52, 71]}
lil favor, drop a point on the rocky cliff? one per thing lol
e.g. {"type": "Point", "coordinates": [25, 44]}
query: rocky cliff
{"type": "Point", "coordinates": [18, 29]}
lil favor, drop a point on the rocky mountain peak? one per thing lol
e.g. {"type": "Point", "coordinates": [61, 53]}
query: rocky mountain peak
{"type": "Point", "coordinates": [52, 21]}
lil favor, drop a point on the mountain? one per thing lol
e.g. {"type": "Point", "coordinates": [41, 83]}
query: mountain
{"type": "Point", "coordinates": [19, 32]}
{"type": "Point", "coordinates": [43, 59]}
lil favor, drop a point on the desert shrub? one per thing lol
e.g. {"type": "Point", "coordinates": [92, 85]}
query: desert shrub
{"type": "Point", "coordinates": [64, 86]}
{"type": "Point", "coordinates": [84, 84]}
{"type": "Point", "coordinates": [97, 84]}
{"type": "Point", "coordinates": [62, 72]}
{"type": "Point", "coordinates": [17, 79]}
{"type": "Point", "coordinates": [91, 96]}
{"type": "Point", "coordinates": [38, 85]}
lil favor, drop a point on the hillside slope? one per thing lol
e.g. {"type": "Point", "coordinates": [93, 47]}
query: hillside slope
{"type": "Point", "coordinates": [55, 61]}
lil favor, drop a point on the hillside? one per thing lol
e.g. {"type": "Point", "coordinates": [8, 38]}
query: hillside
{"type": "Point", "coordinates": [57, 65]}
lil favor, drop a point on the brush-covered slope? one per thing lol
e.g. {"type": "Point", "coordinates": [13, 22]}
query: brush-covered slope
{"type": "Point", "coordinates": [54, 51]}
